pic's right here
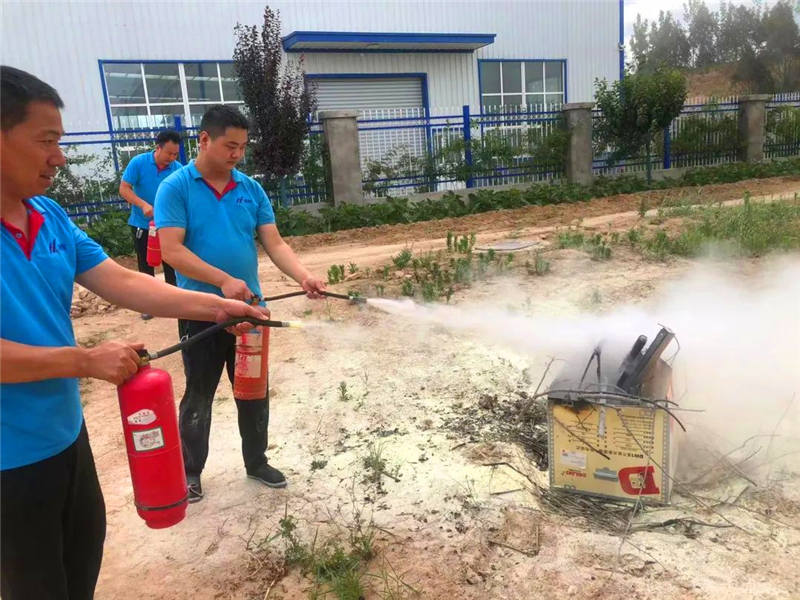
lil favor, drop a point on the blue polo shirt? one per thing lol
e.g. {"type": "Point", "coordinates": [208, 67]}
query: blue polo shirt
{"type": "Point", "coordinates": [40, 419]}
{"type": "Point", "coordinates": [220, 228]}
{"type": "Point", "coordinates": [145, 177]}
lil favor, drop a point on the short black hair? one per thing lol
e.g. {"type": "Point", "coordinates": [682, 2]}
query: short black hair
{"type": "Point", "coordinates": [221, 116]}
{"type": "Point", "coordinates": [167, 135]}
{"type": "Point", "coordinates": [18, 89]}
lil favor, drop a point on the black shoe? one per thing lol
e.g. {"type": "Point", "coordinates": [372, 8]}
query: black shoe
{"type": "Point", "coordinates": [195, 489]}
{"type": "Point", "coordinates": [269, 476]}
{"type": "Point", "coordinates": [146, 317]}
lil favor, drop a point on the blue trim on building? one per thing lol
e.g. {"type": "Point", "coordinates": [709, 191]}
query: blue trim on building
{"type": "Point", "coordinates": [621, 39]}
{"type": "Point", "coordinates": [147, 62]}
{"type": "Point", "coordinates": [483, 60]}
{"type": "Point", "coordinates": [107, 105]}
{"type": "Point", "coordinates": [478, 40]}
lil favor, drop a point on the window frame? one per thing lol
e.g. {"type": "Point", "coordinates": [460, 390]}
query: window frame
{"type": "Point", "coordinates": [183, 108]}
{"type": "Point", "coordinates": [524, 93]}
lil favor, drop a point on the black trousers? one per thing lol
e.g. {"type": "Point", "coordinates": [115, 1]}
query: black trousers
{"type": "Point", "coordinates": [52, 526]}
{"type": "Point", "coordinates": [140, 243]}
{"type": "Point", "coordinates": [202, 364]}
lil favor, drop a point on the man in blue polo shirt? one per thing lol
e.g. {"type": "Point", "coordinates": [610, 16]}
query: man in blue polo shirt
{"type": "Point", "coordinates": [52, 515]}
{"type": "Point", "coordinates": [140, 180]}
{"type": "Point", "coordinates": [207, 215]}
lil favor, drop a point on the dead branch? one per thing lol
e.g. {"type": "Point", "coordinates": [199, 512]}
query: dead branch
{"type": "Point", "coordinates": [677, 521]}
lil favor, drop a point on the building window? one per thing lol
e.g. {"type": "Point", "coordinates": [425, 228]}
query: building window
{"type": "Point", "coordinates": [532, 84]}
{"type": "Point", "coordinates": [150, 94]}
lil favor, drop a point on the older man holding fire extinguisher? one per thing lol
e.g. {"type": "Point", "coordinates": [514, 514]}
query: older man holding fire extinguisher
{"type": "Point", "coordinates": [52, 514]}
{"type": "Point", "coordinates": [207, 215]}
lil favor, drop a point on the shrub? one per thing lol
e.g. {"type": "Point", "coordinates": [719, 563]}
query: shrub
{"type": "Point", "coordinates": [400, 210]}
{"type": "Point", "coordinates": [113, 233]}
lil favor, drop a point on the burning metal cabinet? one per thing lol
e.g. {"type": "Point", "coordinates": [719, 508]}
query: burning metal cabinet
{"type": "Point", "coordinates": [615, 439]}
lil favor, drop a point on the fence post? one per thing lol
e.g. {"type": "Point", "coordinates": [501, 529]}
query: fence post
{"type": "Point", "coordinates": [182, 145]}
{"type": "Point", "coordinates": [752, 126]}
{"type": "Point", "coordinates": [578, 117]}
{"type": "Point", "coordinates": [667, 148]}
{"type": "Point", "coordinates": [468, 145]}
{"type": "Point", "coordinates": [340, 131]}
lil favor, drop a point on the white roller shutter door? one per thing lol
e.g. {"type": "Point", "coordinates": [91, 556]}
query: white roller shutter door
{"type": "Point", "coordinates": [369, 94]}
{"type": "Point", "coordinates": [379, 98]}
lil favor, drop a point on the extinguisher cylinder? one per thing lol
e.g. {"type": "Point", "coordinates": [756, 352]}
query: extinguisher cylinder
{"type": "Point", "coordinates": [251, 373]}
{"type": "Point", "coordinates": [150, 425]}
{"type": "Point", "coordinates": [153, 246]}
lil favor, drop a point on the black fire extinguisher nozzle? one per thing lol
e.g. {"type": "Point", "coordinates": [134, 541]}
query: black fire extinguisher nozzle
{"type": "Point", "coordinates": [146, 356]}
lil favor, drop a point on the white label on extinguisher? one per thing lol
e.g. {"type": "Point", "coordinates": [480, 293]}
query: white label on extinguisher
{"type": "Point", "coordinates": [152, 231]}
{"type": "Point", "coordinates": [149, 439]}
{"type": "Point", "coordinates": [142, 417]}
{"type": "Point", "coordinates": [248, 365]}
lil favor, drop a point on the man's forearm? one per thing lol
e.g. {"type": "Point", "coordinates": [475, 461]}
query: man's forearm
{"type": "Point", "coordinates": [131, 198]}
{"type": "Point", "coordinates": [286, 260]}
{"type": "Point", "coordinates": [22, 363]}
{"type": "Point", "coordinates": [180, 258]}
{"type": "Point", "coordinates": [145, 294]}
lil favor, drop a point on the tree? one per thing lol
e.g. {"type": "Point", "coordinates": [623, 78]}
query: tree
{"type": "Point", "coordinates": [739, 31]}
{"type": "Point", "coordinates": [782, 47]}
{"type": "Point", "coordinates": [703, 30]}
{"type": "Point", "coordinates": [666, 43]}
{"type": "Point", "coordinates": [276, 98]}
{"type": "Point", "coordinates": [636, 108]}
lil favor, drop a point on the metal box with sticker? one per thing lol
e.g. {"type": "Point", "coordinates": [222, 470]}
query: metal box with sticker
{"type": "Point", "coordinates": [614, 436]}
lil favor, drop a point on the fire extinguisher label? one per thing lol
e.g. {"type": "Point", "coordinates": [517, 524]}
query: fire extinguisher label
{"type": "Point", "coordinates": [149, 439]}
{"type": "Point", "coordinates": [142, 417]}
{"type": "Point", "coordinates": [248, 365]}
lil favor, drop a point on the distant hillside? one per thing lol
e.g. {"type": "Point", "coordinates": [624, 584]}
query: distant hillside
{"type": "Point", "coordinates": [714, 81]}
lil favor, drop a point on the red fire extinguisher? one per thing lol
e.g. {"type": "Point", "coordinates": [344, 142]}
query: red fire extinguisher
{"type": "Point", "coordinates": [251, 373]}
{"type": "Point", "coordinates": [153, 246]}
{"type": "Point", "coordinates": [150, 425]}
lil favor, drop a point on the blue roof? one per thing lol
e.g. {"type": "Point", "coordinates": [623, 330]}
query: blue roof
{"type": "Point", "coordinates": [348, 41]}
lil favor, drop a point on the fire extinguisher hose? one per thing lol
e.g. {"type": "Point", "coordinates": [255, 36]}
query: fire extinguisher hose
{"type": "Point", "coordinates": [146, 356]}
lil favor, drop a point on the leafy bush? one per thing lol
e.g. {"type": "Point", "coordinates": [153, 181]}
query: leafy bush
{"type": "Point", "coordinates": [401, 210]}
{"type": "Point", "coordinates": [113, 233]}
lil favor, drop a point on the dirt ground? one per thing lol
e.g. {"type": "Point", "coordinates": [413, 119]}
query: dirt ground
{"type": "Point", "coordinates": [447, 525]}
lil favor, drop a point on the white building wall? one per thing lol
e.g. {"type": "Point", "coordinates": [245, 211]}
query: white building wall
{"type": "Point", "coordinates": [62, 41]}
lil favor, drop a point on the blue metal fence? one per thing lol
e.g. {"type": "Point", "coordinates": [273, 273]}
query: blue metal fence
{"type": "Point", "coordinates": [703, 134]}
{"type": "Point", "coordinates": [411, 150]}
{"type": "Point", "coordinates": [407, 150]}
{"type": "Point", "coordinates": [96, 159]}
{"type": "Point", "coordinates": [782, 136]}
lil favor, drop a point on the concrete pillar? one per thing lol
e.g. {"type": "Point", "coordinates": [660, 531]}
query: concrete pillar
{"type": "Point", "coordinates": [578, 116]}
{"type": "Point", "coordinates": [341, 140]}
{"type": "Point", "coordinates": [752, 126]}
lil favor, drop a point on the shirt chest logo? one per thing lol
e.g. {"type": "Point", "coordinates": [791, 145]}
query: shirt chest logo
{"type": "Point", "coordinates": [55, 246]}
{"type": "Point", "coordinates": [244, 200]}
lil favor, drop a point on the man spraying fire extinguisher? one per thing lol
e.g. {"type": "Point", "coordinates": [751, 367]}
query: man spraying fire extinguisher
{"type": "Point", "coordinates": [207, 215]}
{"type": "Point", "coordinates": [52, 514]}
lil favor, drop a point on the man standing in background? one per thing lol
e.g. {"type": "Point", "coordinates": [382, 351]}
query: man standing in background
{"type": "Point", "coordinates": [208, 215]}
{"type": "Point", "coordinates": [138, 187]}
